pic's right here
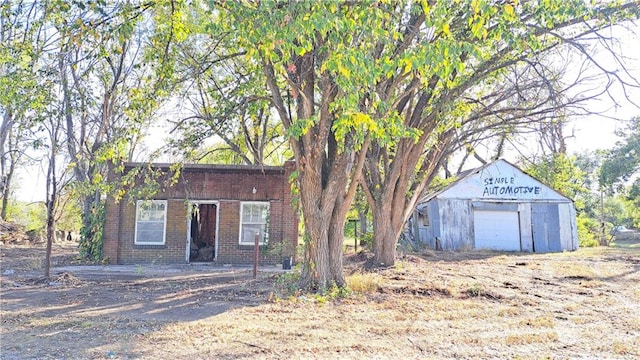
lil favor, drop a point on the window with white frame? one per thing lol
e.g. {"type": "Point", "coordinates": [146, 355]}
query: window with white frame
{"type": "Point", "coordinates": [151, 216]}
{"type": "Point", "coordinates": [254, 218]}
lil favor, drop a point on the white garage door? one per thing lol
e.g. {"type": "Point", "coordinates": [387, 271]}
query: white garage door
{"type": "Point", "coordinates": [496, 230]}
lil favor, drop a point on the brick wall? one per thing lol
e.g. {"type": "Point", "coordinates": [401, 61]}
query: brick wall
{"type": "Point", "coordinates": [228, 185]}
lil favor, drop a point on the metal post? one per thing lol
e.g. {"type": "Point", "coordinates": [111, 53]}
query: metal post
{"type": "Point", "coordinates": [255, 255]}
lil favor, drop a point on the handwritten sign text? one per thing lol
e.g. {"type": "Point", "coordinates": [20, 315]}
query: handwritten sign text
{"type": "Point", "coordinates": [507, 186]}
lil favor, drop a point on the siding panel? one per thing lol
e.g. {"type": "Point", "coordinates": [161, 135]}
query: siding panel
{"type": "Point", "coordinates": [456, 232]}
{"type": "Point", "coordinates": [526, 236]}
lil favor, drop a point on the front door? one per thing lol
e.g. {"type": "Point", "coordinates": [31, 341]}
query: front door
{"type": "Point", "coordinates": [202, 232]}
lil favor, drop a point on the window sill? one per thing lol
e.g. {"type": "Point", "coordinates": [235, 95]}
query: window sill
{"type": "Point", "coordinates": [149, 246]}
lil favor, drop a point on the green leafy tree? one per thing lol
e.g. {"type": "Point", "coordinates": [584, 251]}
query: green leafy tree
{"type": "Point", "coordinates": [633, 204]}
{"type": "Point", "coordinates": [91, 74]}
{"type": "Point", "coordinates": [100, 69]}
{"type": "Point", "coordinates": [109, 68]}
{"type": "Point", "coordinates": [619, 173]}
{"type": "Point", "coordinates": [465, 54]}
{"type": "Point", "coordinates": [561, 173]}
{"type": "Point", "coordinates": [23, 89]}
{"type": "Point", "coordinates": [623, 161]}
{"type": "Point", "coordinates": [385, 81]}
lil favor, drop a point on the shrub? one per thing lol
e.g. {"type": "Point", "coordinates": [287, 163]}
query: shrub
{"type": "Point", "coordinates": [587, 230]}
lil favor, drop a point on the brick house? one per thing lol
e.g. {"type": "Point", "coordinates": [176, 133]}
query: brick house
{"type": "Point", "coordinates": [212, 213]}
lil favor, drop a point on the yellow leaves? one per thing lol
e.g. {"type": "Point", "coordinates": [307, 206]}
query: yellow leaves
{"type": "Point", "coordinates": [475, 6]}
{"type": "Point", "coordinates": [344, 71]}
{"type": "Point", "coordinates": [359, 122]}
{"type": "Point", "coordinates": [425, 6]}
{"type": "Point", "coordinates": [97, 179]}
{"type": "Point", "coordinates": [360, 119]}
{"type": "Point", "coordinates": [508, 8]}
{"type": "Point", "coordinates": [445, 29]}
{"type": "Point", "coordinates": [407, 66]}
{"type": "Point", "coordinates": [25, 61]}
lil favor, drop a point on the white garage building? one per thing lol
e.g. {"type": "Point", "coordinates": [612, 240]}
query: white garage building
{"type": "Point", "coordinates": [498, 207]}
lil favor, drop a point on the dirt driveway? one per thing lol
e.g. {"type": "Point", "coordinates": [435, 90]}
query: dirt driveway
{"type": "Point", "coordinates": [435, 305]}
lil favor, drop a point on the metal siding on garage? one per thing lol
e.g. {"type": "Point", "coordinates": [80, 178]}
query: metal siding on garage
{"type": "Point", "coordinates": [455, 232]}
{"type": "Point", "coordinates": [545, 221]}
{"type": "Point", "coordinates": [553, 217]}
{"type": "Point", "coordinates": [526, 237]}
{"type": "Point", "coordinates": [496, 230]}
{"type": "Point", "coordinates": [566, 214]}
{"type": "Point", "coordinates": [539, 228]}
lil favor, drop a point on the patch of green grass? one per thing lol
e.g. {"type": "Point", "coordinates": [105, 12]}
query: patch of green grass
{"type": "Point", "coordinates": [475, 290]}
{"type": "Point", "coordinates": [287, 285]}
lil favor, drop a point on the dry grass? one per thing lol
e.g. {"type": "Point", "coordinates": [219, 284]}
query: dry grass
{"type": "Point", "coordinates": [364, 282]}
{"type": "Point", "coordinates": [545, 321]}
{"type": "Point", "coordinates": [531, 338]}
{"type": "Point", "coordinates": [436, 305]}
{"type": "Point", "coordinates": [627, 347]}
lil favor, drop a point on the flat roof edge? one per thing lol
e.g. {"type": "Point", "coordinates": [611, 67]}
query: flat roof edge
{"type": "Point", "coordinates": [211, 167]}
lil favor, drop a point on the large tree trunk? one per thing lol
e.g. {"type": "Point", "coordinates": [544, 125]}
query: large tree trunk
{"type": "Point", "coordinates": [385, 237]}
{"type": "Point", "coordinates": [327, 174]}
{"type": "Point", "coordinates": [394, 192]}
{"type": "Point", "coordinates": [317, 272]}
{"type": "Point", "coordinates": [325, 213]}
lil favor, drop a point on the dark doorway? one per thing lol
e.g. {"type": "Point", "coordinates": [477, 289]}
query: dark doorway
{"type": "Point", "coordinates": [202, 232]}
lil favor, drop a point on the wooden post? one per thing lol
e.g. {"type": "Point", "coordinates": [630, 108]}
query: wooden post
{"type": "Point", "coordinates": [355, 235]}
{"type": "Point", "coordinates": [256, 248]}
